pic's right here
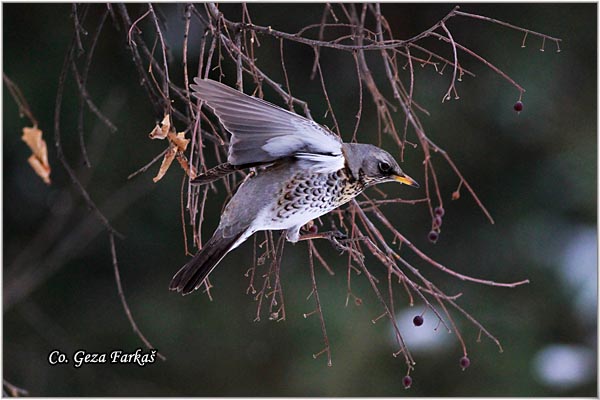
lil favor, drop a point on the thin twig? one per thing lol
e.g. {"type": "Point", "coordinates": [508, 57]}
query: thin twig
{"type": "Point", "coordinates": [137, 331]}
{"type": "Point", "coordinates": [318, 305]}
{"type": "Point", "coordinates": [20, 99]}
{"type": "Point", "coordinates": [57, 142]}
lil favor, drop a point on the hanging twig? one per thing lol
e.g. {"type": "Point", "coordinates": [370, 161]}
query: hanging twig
{"type": "Point", "coordinates": [137, 331]}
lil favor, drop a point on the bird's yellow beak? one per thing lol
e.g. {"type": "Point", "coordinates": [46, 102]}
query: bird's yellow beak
{"type": "Point", "coordinates": [405, 179]}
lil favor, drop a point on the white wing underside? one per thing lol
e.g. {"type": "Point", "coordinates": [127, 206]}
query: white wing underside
{"type": "Point", "coordinates": [262, 132]}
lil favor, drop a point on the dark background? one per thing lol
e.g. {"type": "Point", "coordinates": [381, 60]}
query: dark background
{"type": "Point", "coordinates": [535, 171]}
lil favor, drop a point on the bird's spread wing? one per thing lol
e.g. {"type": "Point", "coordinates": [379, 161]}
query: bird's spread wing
{"type": "Point", "coordinates": [262, 132]}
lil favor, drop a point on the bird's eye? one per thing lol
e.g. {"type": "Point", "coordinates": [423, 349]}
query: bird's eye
{"type": "Point", "coordinates": [384, 167]}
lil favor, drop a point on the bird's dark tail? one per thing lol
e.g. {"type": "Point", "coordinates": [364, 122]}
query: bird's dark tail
{"type": "Point", "coordinates": [192, 274]}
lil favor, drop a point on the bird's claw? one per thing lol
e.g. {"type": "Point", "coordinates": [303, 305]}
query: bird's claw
{"type": "Point", "coordinates": [337, 235]}
{"type": "Point", "coordinates": [340, 241]}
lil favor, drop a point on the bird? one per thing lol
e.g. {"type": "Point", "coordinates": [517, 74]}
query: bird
{"type": "Point", "coordinates": [302, 171]}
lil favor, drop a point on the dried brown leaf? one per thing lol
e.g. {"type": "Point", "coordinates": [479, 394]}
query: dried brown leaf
{"type": "Point", "coordinates": [177, 145]}
{"type": "Point", "coordinates": [40, 169]}
{"type": "Point", "coordinates": [179, 140]}
{"type": "Point", "coordinates": [166, 163]}
{"type": "Point", "coordinates": [161, 130]}
{"type": "Point", "coordinates": [32, 136]}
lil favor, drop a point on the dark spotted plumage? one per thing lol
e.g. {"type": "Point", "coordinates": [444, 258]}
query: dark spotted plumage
{"type": "Point", "coordinates": [305, 171]}
{"type": "Point", "coordinates": [315, 193]}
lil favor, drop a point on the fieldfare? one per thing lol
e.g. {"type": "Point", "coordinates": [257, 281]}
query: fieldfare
{"type": "Point", "coordinates": [304, 171]}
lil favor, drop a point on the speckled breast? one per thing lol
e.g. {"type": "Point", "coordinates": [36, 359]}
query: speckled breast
{"type": "Point", "coordinates": [314, 194]}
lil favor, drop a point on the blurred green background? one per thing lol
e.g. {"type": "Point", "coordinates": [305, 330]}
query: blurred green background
{"type": "Point", "coordinates": [535, 171]}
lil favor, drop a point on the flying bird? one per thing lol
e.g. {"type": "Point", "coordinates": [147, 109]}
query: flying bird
{"type": "Point", "coordinates": [305, 172]}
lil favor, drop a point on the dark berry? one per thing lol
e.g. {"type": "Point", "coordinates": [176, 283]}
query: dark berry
{"type": "Point", "coordinates": [407, 381]}
{"type": "Point", "coordinates": [518, 106]}
{"type": "Point", "coordinates": [437, 221]}
{"type": "Point", "coordinates": [433, 236]}
{"type": "Point", "coordinates": [439, 211]}
{"type": "Point", "coordinates": [464, 362]}
{"type": "Point", "coordinates": [418, 320]}
{"type": "Point", "coordinates": [313, 229]}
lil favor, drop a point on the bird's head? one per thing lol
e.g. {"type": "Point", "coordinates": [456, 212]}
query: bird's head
{"type": "Point", "coordinates": [372, 165]}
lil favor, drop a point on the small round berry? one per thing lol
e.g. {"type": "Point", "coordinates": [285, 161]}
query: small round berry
{"type": "Point", "coordinates": [433, 236]}
{"type": "Point", "coordinates": [437, 221]}
{"type": "Point", "coordinates": [418, 320]}
{"type": "Point", "coordinates": [439, 211]}
{"type": "Point", "coordinates": [518, 106]}
{"type": "Point", "coordinates": [464, 362]}
{"type": "Point", "coordinates": [407, 382]}
{"type": "Point", "coordinates": [313, 229]}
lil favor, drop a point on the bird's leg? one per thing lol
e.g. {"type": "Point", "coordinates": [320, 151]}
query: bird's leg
{"type": "Point", "coordinates": [336, 238]}
{"type": "Point", "coordinates": [329, 235]}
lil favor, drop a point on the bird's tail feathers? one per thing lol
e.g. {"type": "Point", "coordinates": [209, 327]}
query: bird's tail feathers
{"type": "Point", "coordinates": [192, 274]}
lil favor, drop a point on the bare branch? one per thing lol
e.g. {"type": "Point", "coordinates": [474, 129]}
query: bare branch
{"type": "Point", "coordinates": [137, 331]}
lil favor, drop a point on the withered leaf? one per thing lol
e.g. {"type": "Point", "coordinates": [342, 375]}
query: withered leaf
{"type": "Point", "coordinates": [177, 145]}
{"type": "Point", "coordinates": [166, 163]}
{"type": "Point", "coordinates": [32, 136]}
{"type": "Point", "coordinates": [179, 140]}
{"type": "Point", "coordinates": [42, 171]}
{"type": "Point", "coordinates": [161, 130]}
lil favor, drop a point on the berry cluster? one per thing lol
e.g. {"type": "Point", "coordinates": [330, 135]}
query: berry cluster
{"type": "Point", "coordinates": [434, 234]}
